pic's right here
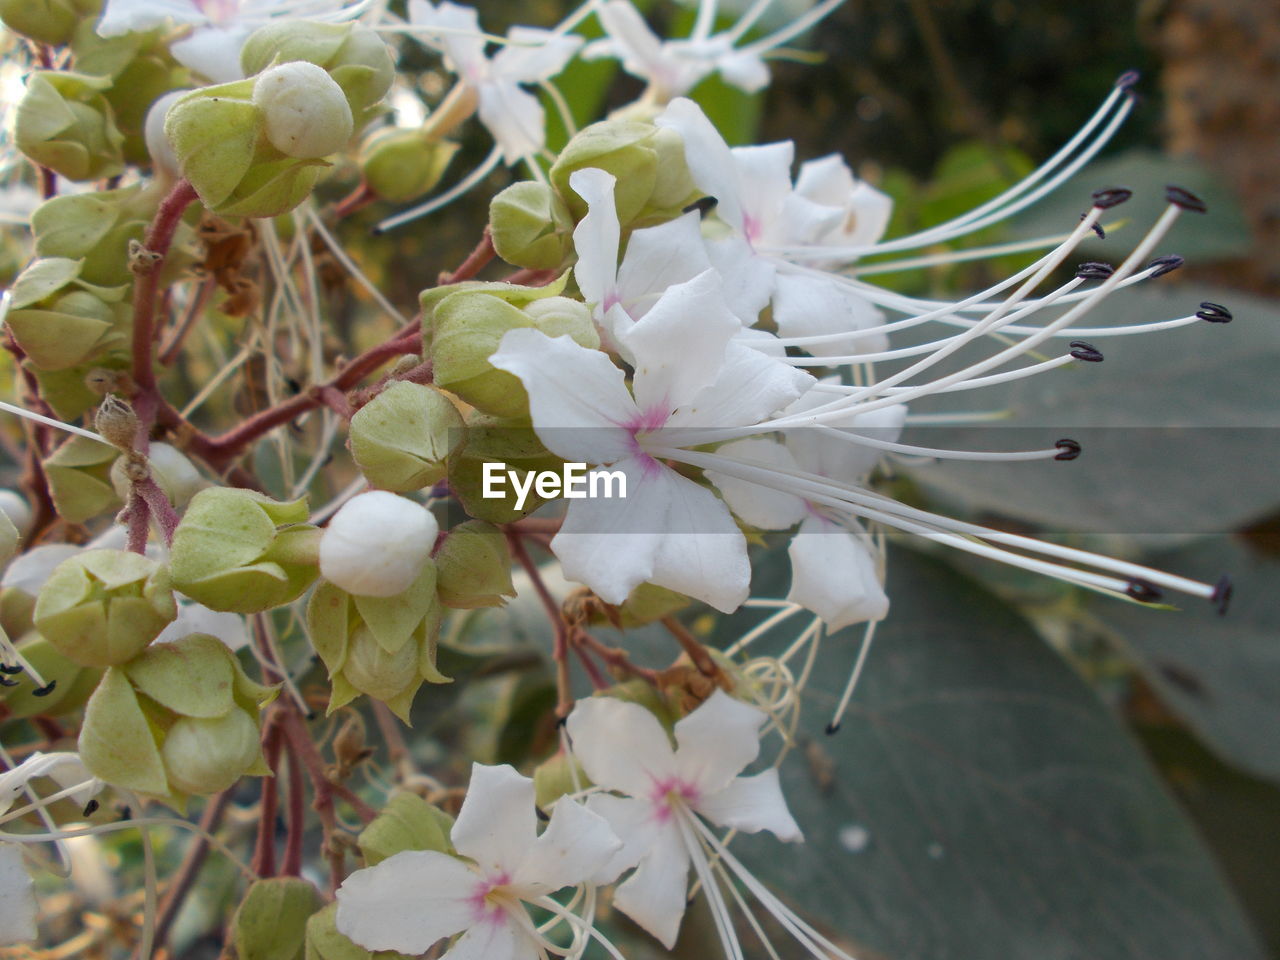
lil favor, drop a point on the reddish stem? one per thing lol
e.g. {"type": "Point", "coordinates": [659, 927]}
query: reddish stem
{"type": "Point", "coordinates": [155, 248]}
{"type": "Point", "coordinates": [477, 260]}
{"type": "Point", "coordinates": [560, 648]}
{"type": "Point", "coordinates": [292, 866]}
{"type": "Point", "coordinates": [264, 851]}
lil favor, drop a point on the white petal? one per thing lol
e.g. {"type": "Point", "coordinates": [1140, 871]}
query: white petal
{"type": "Point", "coordinates": [463, 45]}
{"type": "Point", "coordinates": [654, 896]}
{"type": "Point", "coordinates": [710, 161]}
{"type": "Point", "coordinates": [213, 52]}
{"type": "Point", "coordinates": [408, 901]}
{"type": "Point", "coordinates": [818, 452]}
{"type": "Point", "coordinates": [30, 570]}
{"type": "Point", "coordinates": [751, 386]}
{"type": "Point", "coordinates": [806, 306]}
{"type": "Point", "coordinates": [764, 173]}
{"type": "Point", "coordinates": [197, 618]}
{"type": "Point", "coordinates": [716, 741]}
{"type": "Point", "coordinates": [17, 900]}
{"type": "Point", "coordinates": [746, 71]}
{"type": "Point", "coordinates": [620, 745]}
{"type": "Point", "coordinates": [576, 844]}
{"type": "Point", "coordinates": [679, 345]}
{"type": "Point", "coordinates": [494, 939]}
{"type": "Point", "coordinates": [125, 16]}
{"type": "Point", "coordinates": [515, 119]}
{"type": "Point", "coordinates": [760, 506]}
{"type": "Point", "coordinates": [660, 257]}
{"type": "Point", "coordinates": [596, 236]}
{"type": "Point", "coordinates": [497, 824]}
{"type": "Point", "coordinates": [833, 573]}
{"type": "Point", "coordinates": [64, 768]}
{"type": "Point", "coordinates": [802, 221]}
{"type": "Point", "coordinates": [578, 399]}
{"type": "Point", "coordinates": [634, 823]}
{"type": "Point", "coordinates": [752, 804]}
{"type": "Point", "coordinates": [534, 54]}
{"type": "Point", "coordinates": [827, 180]}
{"type": "Point", "coordinates": [748, 279]}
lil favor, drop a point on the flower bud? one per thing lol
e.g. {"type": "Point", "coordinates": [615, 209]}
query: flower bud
{"type": "Point", "coordinates": [70, 328]}
{"type": "Point", "coordinates": [474, 565]}
{"type": "Point", "coordinates": [9, 535]}
{"type": "Point", "coordinates": [324, 942]}
{"type": "Point", "coordinates": [102, 607]}
{"type": "Point", "coordinates": [376, 544]}
{"type": "Point", "coordinates": [95, 228]}
{"type": "Point", "coordinates": [271, 921]}
{"type": "Point", "coordinates": [198, 731]}
{"type": "Point", "coordinates": [531, 227]}
{"type": "Point", "coordinates": [647, 602]}
{"type": "Point", "coordinates": [407, 822]}
{"type": "Point", "coordinates": [512, 443]}
{"type": "Point", "coordinates": [240, 551]}
{"type": "Point", "coordinates": [79, 473]}
{"type": "Point", "coordinates": [65, 123]}
{"type": "Point", "coordinates": [64, 686]}
{"type": "Point", "coordinates": [622, 148]}
{"type": "Point", "coordinates": [402, 165]}
{"type": "Point", "coordinates": [163, 160]}
{"type": "Point", "coordinates": [402, 438]}
{"type": "Point", "coordinates": [176, 475]}
{"type": "Point", "coordinates": [51, 21]}
{"type": "Point", "coordinates": [75, 390]}
{"type": "Point", "coordinates": [304, 112]}
{"type": "Point", "coordinates": [556, 777]}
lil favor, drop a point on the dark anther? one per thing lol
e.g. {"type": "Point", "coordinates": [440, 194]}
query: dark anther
{"type": "Point", "coordinates": [1068, 449]}
{"type": "Point", "coordinates": [542, 814]}
{"type": "Point", "coordinates": [126, 813]}
{"type": "Point", "coordinates": [1111, 197]}
{"type": "Point", "coordinates": [10, 668]}
{"type": "Point", "coordinates": [45, 690]}
{"type": "Point", "coordinates": [1086, 351]}
{"type": "Point", "coordinates": [561, 721]}
{"type": "Point", "coordinates": [91, 807]}
{"type": "Point", "coordinates": [1144, 591]}
{"type": "Point", "coordinates": [1221, 598]}
{"type": "Point", "coordinates": [703, 206]}
{"type": "Point", "coordinates": [833, 729]}
{"type": "Point", "coordinates": [376, 232]}
{"type": "Point", "coordinates": [1184, 199]}
{"type": "Point", "coordinates": [6, 682]}
{"type": "Point", "coordinates": [1097, 228]}
{"type": "Point", "coordinates": [1214, 313]}
{"type": "Point", "coordinates": [311, 715]}
{"type": "Point", "coordinates": [1163, 265]}
{"type": "Point", "coordinates": [1093, 270]}
{"type": "Point", "coordinates": [293, 385]}
{"type": "Point", "coordinates": [1128, 79]}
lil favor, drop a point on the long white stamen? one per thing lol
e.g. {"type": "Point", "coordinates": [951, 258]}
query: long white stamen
{"type": "Point", "coordinates": [788, 610]}
{"type": "Point", "coordinates": [356, 273]}
{"type": "Point", "coordinates": [719, 912]}
{"type": "Point", "coordinates": [487, 166]}
{"type": "Point", "coordinates": [796, 27]}
{"type": "Point", "coordinates": [958, 256]}
{"type": "Point", "coordinates": [868, 635]}
{"type": "Point", "coordinates": [746, 21]}
{"type": "Point", "coordinates": [934, 453]}
{"type": "Point", "coordinates": [706, 20]}
{"type": "Point", "coordinates": [50, 422]}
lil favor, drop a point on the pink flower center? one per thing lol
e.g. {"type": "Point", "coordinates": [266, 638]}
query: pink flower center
{"type": "Point", "coordinates": [648, 421]}
{"type": "Point", "coordinates": [668, 791]}
{"type": "Point", "coordinates": [488, 900]}
{"type": "Point", "coordinates": [751, 229]}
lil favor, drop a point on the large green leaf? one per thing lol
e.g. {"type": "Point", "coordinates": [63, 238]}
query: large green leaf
{"type": "Point", "coordinates": [1169, 424]}
{"type": "Point", "coordinates": [1221, 674]}
{"type": "Point", "coordinates": [979, 801]}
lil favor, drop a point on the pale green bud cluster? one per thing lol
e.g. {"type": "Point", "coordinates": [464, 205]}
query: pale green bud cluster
{"type": "Point", "coordinates": [514, 445]}
{"type": "Point", "coordinates": [79, 477]}
{"type": "Point", "coordinates": [475, 567]}
{"type": "Point", "coordinates": [65, 123]}
{"type": "Point", "coordinates": [402, 439]}
{"type": "Point", "coordinates": [179, 719]}
{"type": "Point", "coordinates": [401, 165]}
{"type": "Point", "coordinates": [67, 685]}
{"type": "Point", "coordinates": [53, 22]}
{"type": "Point", "coordinates": [271, 921]}
{"type": "Point", "coordinates": [241, 551]}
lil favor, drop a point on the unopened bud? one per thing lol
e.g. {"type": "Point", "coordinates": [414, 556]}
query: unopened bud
{"type": "Point", "coordinates": [376, 544]}
{"type": "Point", "coordinates": [305, 113]}
{"type": "Point", "coordinates": [117, 423]}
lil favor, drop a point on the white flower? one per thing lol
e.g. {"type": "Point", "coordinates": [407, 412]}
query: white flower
{"type": "Point", "coordinates": [512, 115]}
{"type": "Point", "coordinates": [623, 748]}
{"type": "Point", "coordinates": [690, 371]}
{"type": "Point", "coordinates": [416, 897]}
{"type": "Point", "coordinates": [377, 544]}
{"type": "Point", "coordinates": [220, 27]}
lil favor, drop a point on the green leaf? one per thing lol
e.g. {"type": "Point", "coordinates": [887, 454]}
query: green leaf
{"type": "Point", "coordinates": [1173, 413]}
{"type": "Point", "coordinates": [980, 802]}
{"type": "Point", "coordinates": [1221, 674]}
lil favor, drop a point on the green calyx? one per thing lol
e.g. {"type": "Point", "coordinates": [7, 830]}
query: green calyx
{"type": "Point", "coordinates": [401, 439]}
{"type": "Point", "coordinates": [65, 123]}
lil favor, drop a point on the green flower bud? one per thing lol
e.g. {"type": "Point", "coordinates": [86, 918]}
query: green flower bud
{"type": "Point", "coordinates": [304, 112]}
{"type": "Point", "coordinates": [531, 226]}
{"type": "Point", "coordinates": [324, 942]}
{"type": "Point", "coordinates": [271, 921]}
{"type": "Point", "coordinates": [95, 228]}
{"type": "Point", "coordinates": [673, 187]}
{"type": "Point", "coordinates": [176, 475]}
{"type": "Point", "coordinates": [69, 392]}
{"type": "Point", "coordinates": [402, 165]}
{"type": "Point", "coordinates": [16, 607]}
{"type": "Point", "coordinates": [240, 551]}
{"type": "Point", "coordinates": [79, 474]}
{"type": "Point", "coordinates": [509, 442]}
{"type": "Point", "coordinates": [402, 438]}
{"type": "Point", "coordinates": [407, 822]}
{"type": "Point", "coordinates": [48, 21]}
{"type": "Point", "coordinates": [181, 718]}
{"type": "Point", "coordinates": [9, 538]}
{"type": "Point", "coordinates": [66, 685]}
{"type": "Point", "coordinates": [102, 607]}
{"type": "Point", "coordinates": [622, 148]}
{"type": "Point", "coordinates": [66, 124]}
{"type": "Point", "coordinates": [384, 647]}
{"type": "Point", "coordinates": [556, 777]}
{"type": "Point", "coordinates": [647, 603]}
{"type": "Point", "coordinates": [474, 565]}
{"type": "Point", "coordinates": [70, 329]}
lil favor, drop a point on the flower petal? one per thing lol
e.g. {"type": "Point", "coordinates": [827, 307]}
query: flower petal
{"type": "Point", "coordinates": [660, 257]}
{"type": "Point", "coordinates": [751, 386]}
{"type": "Point", "coordinates": [764, 173]}
{"type": "Point", "coordinates": [534, 54]}
{"type": "Point", "coordinates": [633, 822]}
{"type": "Point", "coordinates": [752, 804]}
{"type": "Point", "coordinates": [463, 45]}
{"type": "Point", "coordinates": [17, 899]}
{"type": "Point", "coordinates": [578, 399]}
{"type": "Point", "coordinates": [833, 573]}
{"type": "Point", "coordinates": [818, 452]}
{"type": "Point", "coordinates": [126, 16]}
{"type": "Point", "coordinates": [716, 741]}
{"type": "Point", "coordinates": [748, 279]}
{"type": "Point", "coordinates": [213, 52]}
{"type": "Point", "coordinates": [829, 181]}
{"type": "Point", "coordinates": [620, 745]}
{"type": "Point", "coordinates": [497, 937]}
{"type": "Point", "coordinates": [408, 901]}
{"type": "Point", "coordinates": [497, 824]}
{"type": "Point", "coordinates": [64, 768]}
{"type": "Point", "coordinates": [703, 553]}
{"type": "Point", "coordinates": [655, 895]}
{"type": "Point", "coordinates": [576, 844]}
{"type": "Point", "coordinates": [596, 237]}
{"type": "Point", "coordinates": [746, 71]}
{"type": "Point", "coordinates": [805, 306]}
{"type": "Point", "coordinates": [514, 118]}
{"type": "Point", "coordinates": [711, 164]}
{"type": "Point", "coordinates": [760, 506]}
